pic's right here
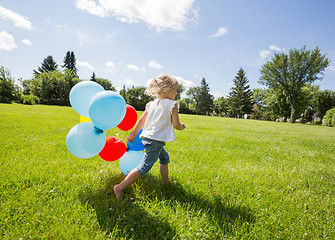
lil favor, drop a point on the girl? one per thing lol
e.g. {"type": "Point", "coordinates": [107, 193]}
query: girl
{"type": "Point", "coordinates": [159, 118]}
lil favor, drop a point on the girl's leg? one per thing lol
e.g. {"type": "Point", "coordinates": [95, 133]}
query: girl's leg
{"type": "Point", "coordinates": [164, 161]}
{"type": "Point", "coordinates": [164, 168]}
{"type": "Point", "coordinates": [130, 178]}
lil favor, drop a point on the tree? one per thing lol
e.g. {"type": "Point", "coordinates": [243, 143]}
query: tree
{"type": "Point", "coordinates": [70, 62]}
{"type": "Point", "coordinates": [311, 91]}
{"type": "Point", "coordinates": [305, 100]}
{"type": "Point", "coordinates": [257, 96]}
{"type": "Point", "coordinates": [258, 107]}
{"type": "Point", "coordinates": [180, 89]}
{"type": "Point", "coordinates": [7, 88]}
{"type": "Point", "coordinates": [201, 99]}
{"type": "Point", "coordinates": [330, 118]}
{"type": "Point", "coordinates": [187, 105]}
{"type": "Point", "coordinates": [325, 100]}
{"type": "Point", "coordinates": [48, 65]}
{"type": "Point", "coordinates": [93, 78]}
{"type": "Point", "coordinates": [276, 104]}
{"type": "Point", "coordinates": [123, 92]}
{"type": "Point", "coordinates": [205, 104]}
{"type": "Point", "coordinates": [240, 101]}
{"type": "Point", "coordinates": [137, 98]}
{"type": "Point", "coordinates": [53, 87]}
{"type": "Point", "coordinates": [193, 94]}
{"type": "Point", "coordinates": [289, 73]}
{"type": "Point", "coordinates": [220, 106]}
{"type": "Point", "coordinates": [106, 84]}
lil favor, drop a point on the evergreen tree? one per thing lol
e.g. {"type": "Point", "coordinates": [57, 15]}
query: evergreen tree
{"type": "Point", "coordinates": [123, 93]}
{"type": "Point", "coordinates": [70, 62]}
{"type": "Point", "coordinates": [205, 105]}
{"type": "Point", "coordinates": [240, 102]}
{"type": "Point", "coordinates": [48, 65]}
{"type": "Point", "coordinates": [93, 78]}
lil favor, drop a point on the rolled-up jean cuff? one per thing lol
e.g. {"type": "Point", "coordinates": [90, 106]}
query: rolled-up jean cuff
{"type": "Point", "coordinates": [153, 150]}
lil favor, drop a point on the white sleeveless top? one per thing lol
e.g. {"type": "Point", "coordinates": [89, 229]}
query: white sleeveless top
{"type": "Point", "coordinates": [158, 125]}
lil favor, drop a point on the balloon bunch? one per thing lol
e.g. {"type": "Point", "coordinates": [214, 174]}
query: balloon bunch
{"type": "Point", "coordinates": [101, 110]}
{"type": "Point", "coordinates": [133, 156]}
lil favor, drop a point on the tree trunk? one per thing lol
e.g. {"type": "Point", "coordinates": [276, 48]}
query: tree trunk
{"type": "Point", "coordinates": [292, 104]}
{"type": "Point", "coordinates": [292, 119]}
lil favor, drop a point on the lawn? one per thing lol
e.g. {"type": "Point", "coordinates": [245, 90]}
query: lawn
{"type": "Point", "coordinates": [234, 179]}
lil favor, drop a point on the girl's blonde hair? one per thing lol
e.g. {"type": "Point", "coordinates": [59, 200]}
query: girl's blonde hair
{"type": "Point", "coordinates": [162, 84]}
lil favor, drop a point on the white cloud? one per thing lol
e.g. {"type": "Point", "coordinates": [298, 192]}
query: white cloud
{"type": "Point", "coordinates": [264, 53]}
{"type": "Point", "coordinates": [186, 83]}
{"type": "Point", "coordinates": [275, 48]}
{"type": "Point", "coordinates": [27, 42]}
{"type": "Point", "coordinates": [161, 15]}
{"type": "Point", "coordinates": [221, 31]}
{"type": "Point", "coordinates": [7, 42]}
{"type": "Point", "coordinates": [92, 8]}
{"type": "Point", "coordinates": [15, 18]}
{"type": "Point", "coordinates": [110, 66]}
{"type": "Point", "coordinates": [154, 64]}
{"type": "Point", "coordinates": [129, 82]}
{"type": "Point", "coordinates": [85, 64]}
{"type": "Point", "coordinates": [332, 68]}
{"type": "Point", "coordinates": [133, 67]}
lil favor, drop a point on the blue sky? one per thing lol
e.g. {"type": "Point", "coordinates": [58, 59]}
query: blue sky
{"type": "Point", "coordinates": [131, 41]}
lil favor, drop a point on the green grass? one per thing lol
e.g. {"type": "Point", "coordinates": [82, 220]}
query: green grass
{"type": "Point", "coordinates": [235, 179]}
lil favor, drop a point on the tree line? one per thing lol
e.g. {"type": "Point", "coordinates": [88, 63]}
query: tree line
{"type": "Point", "coordinates": [289, 92]}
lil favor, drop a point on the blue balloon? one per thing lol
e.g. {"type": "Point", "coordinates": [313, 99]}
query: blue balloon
{"type": "Point", "coordinates": [81, 95]}
{"type": "Point", "coordinates": [137, 145]}
{"type": "Point", "coordinates": [130, 160]}
{"type": "Point", "coordinates": [85, 141]}
{"type": "Point", "coordinates": [107, 109]}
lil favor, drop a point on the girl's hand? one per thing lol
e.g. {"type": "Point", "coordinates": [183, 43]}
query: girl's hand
{"type": "Point", "coordinates": [183, 126]}
{"type": "Point", "coordinates": [131, 138]}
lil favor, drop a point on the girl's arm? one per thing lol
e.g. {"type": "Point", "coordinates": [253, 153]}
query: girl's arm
{"type": "Point", "coordinates": [175, 119]}
{"type": "Point", "coordinates": [138, 126]}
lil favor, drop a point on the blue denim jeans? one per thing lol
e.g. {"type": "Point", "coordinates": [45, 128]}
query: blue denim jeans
{"type": "Point", "coordinates": [153, 150]}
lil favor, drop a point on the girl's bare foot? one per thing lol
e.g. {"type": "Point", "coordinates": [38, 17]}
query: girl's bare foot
{"type": "Point", "coordinates": [118, 192]}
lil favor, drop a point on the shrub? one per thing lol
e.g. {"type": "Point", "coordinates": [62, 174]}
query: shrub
{"type": "Point", "coordinates": [330, 118]}
{"type": "Point", "coordinates": [30, 99]}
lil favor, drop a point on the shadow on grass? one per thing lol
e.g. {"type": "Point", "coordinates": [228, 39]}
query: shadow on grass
{"type": "Point", "coordinates": [128, 219]}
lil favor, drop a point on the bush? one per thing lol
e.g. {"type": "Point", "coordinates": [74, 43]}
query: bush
{"type": "Point", "coordinates": [330, 118]}
{"type": "Point", "coordinates": [30, 99]}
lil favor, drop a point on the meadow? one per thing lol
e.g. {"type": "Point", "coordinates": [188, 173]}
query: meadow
{"type": "Point", "coordinates": [233, 179]}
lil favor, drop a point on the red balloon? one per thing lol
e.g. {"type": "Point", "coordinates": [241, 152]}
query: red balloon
{"type": "Point", "coordinates": [129, 119]}
{"type": "Point", "coordinates": [113, 150]}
